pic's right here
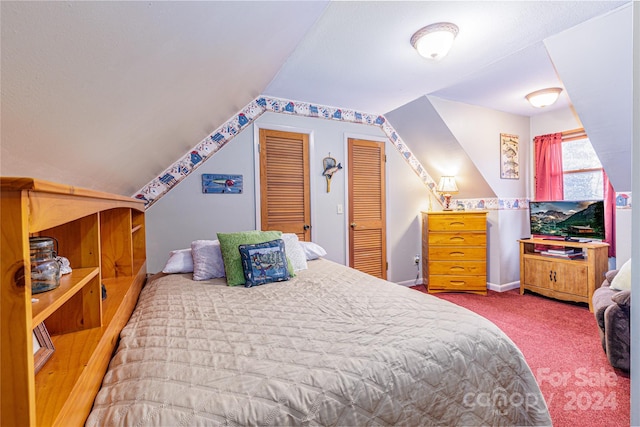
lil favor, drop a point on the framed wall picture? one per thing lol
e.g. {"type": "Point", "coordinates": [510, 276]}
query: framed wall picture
{"type": "Point", "coordinates": [509, 162]}
{"type": "Point", "coordinates": [219, 183]}
{"type": "Point", "coordinates": [42, 346]}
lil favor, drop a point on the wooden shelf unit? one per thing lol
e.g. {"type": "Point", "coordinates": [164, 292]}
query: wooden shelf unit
{"type": "Point", "coordinates": [103, 236]}
{"type": "Point", "coordinates": [562, 278]}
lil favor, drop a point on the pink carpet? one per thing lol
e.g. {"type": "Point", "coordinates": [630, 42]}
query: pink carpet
{"type": "Point", "coordinates": [561, 344]}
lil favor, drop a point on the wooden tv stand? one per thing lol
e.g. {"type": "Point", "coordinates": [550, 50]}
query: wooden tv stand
{"type": "Point", "coordinates": [562, 277]}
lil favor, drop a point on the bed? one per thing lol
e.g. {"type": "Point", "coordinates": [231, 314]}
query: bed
{"type": "Point", "coordinates": [331, 346]}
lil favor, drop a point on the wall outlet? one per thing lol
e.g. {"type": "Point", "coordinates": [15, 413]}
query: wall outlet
{"type": "Point", "coordinates": [416, 259]}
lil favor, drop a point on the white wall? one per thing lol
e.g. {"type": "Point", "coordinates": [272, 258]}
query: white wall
{"type": "Point", "coordinates": [635, 232]}
{"type": "Point", "coordinates": [186, 214]}
{"type": "Point", "coordinates": [478, 130]}
{"type": "Point", "coordinates": [406, 198]}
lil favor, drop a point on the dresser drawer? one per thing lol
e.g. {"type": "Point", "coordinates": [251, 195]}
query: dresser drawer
{"type": "Point", "coordinates": [457, 222]}
{"type": "Point", "coordinates": [473, 268]}
{"type": "Point", "coordinates": [450, 253]}
{"type": "Point", "coordinates": [453, 283]}
{"type": "Point", "coordinates": [458, 239]}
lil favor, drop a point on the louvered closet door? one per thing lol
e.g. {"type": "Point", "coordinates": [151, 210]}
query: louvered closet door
{"type": "Point", "coordinates": [284, 182]}
{"type": "Point", "coordinates": [367, 218]}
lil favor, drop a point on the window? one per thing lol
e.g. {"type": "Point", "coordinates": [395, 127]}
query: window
{"type": "Point", "coordinates": [567, 167]}
{"type": "Point", "coordinates": [581, 169]}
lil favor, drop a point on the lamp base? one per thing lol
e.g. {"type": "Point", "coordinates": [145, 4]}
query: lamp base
{"type": "Point", "coordinates": [447, 202]}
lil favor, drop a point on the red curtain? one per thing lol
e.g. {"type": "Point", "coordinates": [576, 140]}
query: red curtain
{"type": "Point", "coordinates": [549, 178]}
{"type": "Point", "coordinates": [609, 215]}
{"type": "Point", "coordinates": [549, 182]}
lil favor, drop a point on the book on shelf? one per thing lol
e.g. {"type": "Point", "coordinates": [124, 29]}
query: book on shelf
{"type": "Point", "coordinates": [567, 255]}
{"type": "Point", "coordinates": [564, 250]}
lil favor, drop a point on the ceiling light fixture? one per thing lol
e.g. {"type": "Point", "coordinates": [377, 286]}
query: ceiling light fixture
{"type": "Point", "coordinates": [435, 40]}
{"type": "Point", "coordinates": [544, 97]}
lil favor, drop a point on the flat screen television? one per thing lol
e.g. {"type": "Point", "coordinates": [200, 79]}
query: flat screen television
{"type": "Point", "coordinates": [567, 220]}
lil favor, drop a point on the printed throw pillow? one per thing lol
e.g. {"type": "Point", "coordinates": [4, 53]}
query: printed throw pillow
{"type": "Point", "coordinates": [622, 281]}
{"type": "Point", "coordinates": [229, 243]}
{"type": "Point", "coordinates": [180, 261]}
{"type": "Point", "coordinates": [294, 251]}
{"type": "Point", "coordinates": [264, 263]}
{"type": "Point", "coordinates": [207, 259]}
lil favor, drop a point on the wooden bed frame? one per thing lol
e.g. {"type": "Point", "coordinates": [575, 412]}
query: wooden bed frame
{"type": "Point", "coordinates": [103, 236]}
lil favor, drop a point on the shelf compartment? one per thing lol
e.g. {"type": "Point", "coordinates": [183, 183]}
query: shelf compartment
{"type": "Point", "coordinates": [80, 359]}
{"type": "Point", "coordinates": [70, 285]}
{"type": "Point", "coordinates": [117, 253]}
{"type": "Point", "coordinates": [557, 258]}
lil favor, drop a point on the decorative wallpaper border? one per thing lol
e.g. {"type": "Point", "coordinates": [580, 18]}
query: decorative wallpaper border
{"type": "Point", "coordinates": [492, 204]}
{"type": "Point", "coordinates": [187, 164]}
{"type": "Point", "coordinates": [623, 201]}
{"type": "Point", "coordinates": [170, 177]}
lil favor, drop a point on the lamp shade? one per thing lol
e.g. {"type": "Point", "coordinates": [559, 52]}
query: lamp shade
{"type": "Point", "coordinates": [544, 97]}
{"type": "Point", "coordinates": [447, 184]}
{"type": "Point", "coordinates": [434, 41]}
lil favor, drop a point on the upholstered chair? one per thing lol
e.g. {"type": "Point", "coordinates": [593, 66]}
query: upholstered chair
{"type": "Point", "coordinates": [611, 307]}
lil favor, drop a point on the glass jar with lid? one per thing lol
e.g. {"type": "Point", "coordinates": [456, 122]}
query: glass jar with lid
{"type": "Point", "coordinates": [45, 270]}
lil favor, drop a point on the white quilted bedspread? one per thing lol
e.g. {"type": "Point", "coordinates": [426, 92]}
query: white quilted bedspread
{"type": "Point", "coordinates": [332, 346]}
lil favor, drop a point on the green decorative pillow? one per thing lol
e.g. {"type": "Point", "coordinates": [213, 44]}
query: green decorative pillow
{"type": "Point", "coordinates": [229, 243]}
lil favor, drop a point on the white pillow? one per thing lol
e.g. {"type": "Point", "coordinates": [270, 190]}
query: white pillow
{"type": "Point", "coordinates": [180, 261]}
{"type": "Point", "coordinates": [294, 251]}
{"type": "Point", "coordinates": [622, 281]}
{"type": "Point", "coordinates": [207, 259]}
{"type": "Point", "coordinates": [312, 250]}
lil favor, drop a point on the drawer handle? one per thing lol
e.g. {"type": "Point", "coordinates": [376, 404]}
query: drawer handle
{"type": "Point", "coordinates": [457, 224]}
{"type": "Point", "coordinates": [456, 269]}
{"type": "Point", "coordinates": [457, 239]}
{"type": "Point", "coordinates": [457, 282]}
{"type": "Point", "coordinates": [459, 254]}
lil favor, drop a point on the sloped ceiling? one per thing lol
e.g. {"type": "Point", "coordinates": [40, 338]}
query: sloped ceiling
{"type": "Point", "coordinates": [106, 95]}
{"type": "Point", "coordinates": [431, 140]}
{"type": "Point", "coordinates": [358, 54]}
{"type": "Point", "coordinates": [595, 75]}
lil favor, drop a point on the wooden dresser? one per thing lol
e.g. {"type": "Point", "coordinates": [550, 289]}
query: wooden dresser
{"type": "Point", "coordinates": [103, 236]}
{"type": "Point", "coordinates": [454, 251]}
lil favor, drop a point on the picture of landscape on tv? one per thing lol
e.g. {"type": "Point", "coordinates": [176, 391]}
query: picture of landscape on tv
{"type": "Point", "coordinates": [574, 219]}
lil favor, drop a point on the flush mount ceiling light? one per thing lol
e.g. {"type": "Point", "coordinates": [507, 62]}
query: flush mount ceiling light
{"type": "Point", "coordinates": [435, 40]}
{"type": "Point", "coordinates": [544, 97]}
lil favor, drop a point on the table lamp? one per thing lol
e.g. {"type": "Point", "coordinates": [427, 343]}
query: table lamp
{"type": "Point", "coordinates": [447, 186]}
